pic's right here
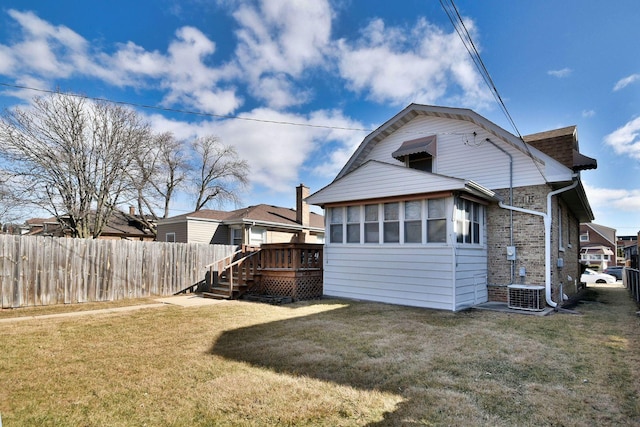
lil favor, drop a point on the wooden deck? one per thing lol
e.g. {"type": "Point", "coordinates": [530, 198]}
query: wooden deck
{"type": "Point", "coordinates": [280, 269]}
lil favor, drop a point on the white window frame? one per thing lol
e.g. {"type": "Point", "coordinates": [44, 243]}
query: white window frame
{"type": "Point", "coordinates": [340, 222]}
{"type": "Point", "coordinates": [357, 225]}
{"type": "Point", "coordinates": [173, 237]}
{"type": "Point", "coordinates": [338, 225]}
{"type": "Point", "coordinates": [462, 223]}
{"type": "Point", "coordinates": [235, 232]}
{"type": "Point", "coordinates": [257, 236]}
{"type": "Point", "coordinates": [389, 221]}
{"type": "Point", "coordinates": [376, 222]}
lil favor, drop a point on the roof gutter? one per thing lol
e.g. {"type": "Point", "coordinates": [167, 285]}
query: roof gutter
{"type": "Point", "coordinates": [546, 216]}
{"type": "Point", "coordinates": [270, 224]}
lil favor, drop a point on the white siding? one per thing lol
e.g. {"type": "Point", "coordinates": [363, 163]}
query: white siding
{"type": "Point", "coordinates": [471, 276]}
{"type": "Point", "coordinates": [201, 231]}
{"type": "Point", "coordinates": [460, 154]}
{"type": "Point", "coordinates": [376, 180]}
{"type": "Point", "coordinates": [406, 275]}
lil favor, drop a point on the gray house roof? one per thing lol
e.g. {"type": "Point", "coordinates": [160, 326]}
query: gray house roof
{"type": "Point", "coordinates": [260, 214]}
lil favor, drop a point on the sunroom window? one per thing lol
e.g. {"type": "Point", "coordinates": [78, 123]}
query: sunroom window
{"type": "Point", "coordinates": [391, 222]}
{"type": "Point", "coordinates": [436, 221]}
{"type": "Point", "coordinates": [353, 224]}
{"type": "Point", "coordinates": [371, 224]}
{"type": "Point", "coordinates": [335, 226]}
{"type": "Point", "coordinates": [413, 222]}
{"type": "Point", "coordinates": [409, 222]}
{"type": "Point", "coordinates": [468, 219]}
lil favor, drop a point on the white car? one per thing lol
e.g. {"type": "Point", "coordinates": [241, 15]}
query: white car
{"type": "Point", "coordinates": [590, 276]}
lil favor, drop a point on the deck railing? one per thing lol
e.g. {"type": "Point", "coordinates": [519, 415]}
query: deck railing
{"type": "Point", "coordinates": [291, 256]}
{"type": "Point", "coordinates": [292, 268]}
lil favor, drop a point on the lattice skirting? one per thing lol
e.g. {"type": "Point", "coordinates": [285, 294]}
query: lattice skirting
{"type": "Point", "coordinates": [299, 285]}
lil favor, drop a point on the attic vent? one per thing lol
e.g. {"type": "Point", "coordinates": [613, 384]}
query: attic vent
{"type": "Point", "coordinates": [526, 297]}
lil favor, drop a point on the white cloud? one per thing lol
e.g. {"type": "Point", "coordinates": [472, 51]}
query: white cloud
{"type": "Point", "coordinates": [615, 207]}
{"type": "Point", "coordinates": [47, 52]}
{"type": "Point", "coordinates": [622, 83]}
{"type": "Point", "coordinates": [276, 151]}
{"type": "Point", "coordinates": [423, 65]}
{"type": "Point", "coordinates": [588, 113]}
{"type": "Point", "coordinates": [44, 49]}
{"type": "Point", "coordinates": [565, 72]}
{"type": "Point", "coordinates": [277, 41]}
{"type": "Point", "coordinates": [626, 139]}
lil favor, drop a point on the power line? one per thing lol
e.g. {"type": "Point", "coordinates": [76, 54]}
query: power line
{"type": "Point", "coordinates": [460, 27]}
{"type": "Point", "coordinates": [218, 116]}
{"type": "Point", "coordinates": [458, 24]}
{"type": "Point", "coordinates": [190, 112]}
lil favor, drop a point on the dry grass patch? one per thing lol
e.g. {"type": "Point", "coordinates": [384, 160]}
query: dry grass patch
{"type": "Point", "coordinates": [7, 313]}
{"type": "Point", "coordinates": [328, 362]}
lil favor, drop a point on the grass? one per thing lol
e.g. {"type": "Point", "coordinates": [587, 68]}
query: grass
{"type": "Point", "coordinates": [327, 362]}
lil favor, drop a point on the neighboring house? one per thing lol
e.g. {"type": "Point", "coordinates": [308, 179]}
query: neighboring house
{"type": "Point", "coordinates": [441, 208]}
{"type": "Point", "coordinates": [252, 225]}
{"type": "Point", "coordinates": [629, 246]}
{"type": "Point", "coordinates": [121, 226]}
{"type": "Point", "coordinates": [598, 246]}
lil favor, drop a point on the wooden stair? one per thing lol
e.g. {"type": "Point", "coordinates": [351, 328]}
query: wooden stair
{"type": "Point", "coordinates": [233, 276]}
{"type": "Point", "coordinates": [222, 292]}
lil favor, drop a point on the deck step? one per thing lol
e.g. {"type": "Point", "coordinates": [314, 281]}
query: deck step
{"type": "Point", "coordinates": [215, 295]}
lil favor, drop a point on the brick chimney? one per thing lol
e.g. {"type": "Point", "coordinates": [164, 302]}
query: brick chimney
{"type": "Point", "coordinates": [302, 208]}
{"type": "Point", "coordinates": [132, 210]}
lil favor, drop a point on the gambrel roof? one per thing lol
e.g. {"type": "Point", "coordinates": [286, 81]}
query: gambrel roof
{"type": "Point", "coordinates": [412, 129]}
{"type": "Point", "coordinates": [415, 110]}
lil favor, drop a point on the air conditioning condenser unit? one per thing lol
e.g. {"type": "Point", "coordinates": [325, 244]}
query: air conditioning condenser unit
{"type": "Point", "coordinates": [526, 297]}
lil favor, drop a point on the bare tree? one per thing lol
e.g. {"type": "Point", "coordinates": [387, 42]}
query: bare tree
{"type": "Point", "coordinates": [12, 205]}
{"type": "Point", "coordinates": [158, 172]}
{"type": "Point", "coordinates": [76, 154]}
{"type": "Point", "coordinates": [217, 173]}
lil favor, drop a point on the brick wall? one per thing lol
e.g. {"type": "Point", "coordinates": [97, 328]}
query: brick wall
{"type": "Point", "coordinates": [528, 238]}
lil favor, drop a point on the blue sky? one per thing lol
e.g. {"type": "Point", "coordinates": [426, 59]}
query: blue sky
{"type": "Point", "coordinates": [344, 67]}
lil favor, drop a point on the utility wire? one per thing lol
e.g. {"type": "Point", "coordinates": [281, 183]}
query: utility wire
{"type": "Point", "coordinates": [217, 116]}
{"type": "Point", "coordinates": [458, 24]}
{"type": "Point", "coordinates": [190, 112]}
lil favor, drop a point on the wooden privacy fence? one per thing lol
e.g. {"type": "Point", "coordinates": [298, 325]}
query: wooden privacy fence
{"type": "Point", "coordinates": [631, 280]}
{"type": "Point", "coordinates": [47, 270]}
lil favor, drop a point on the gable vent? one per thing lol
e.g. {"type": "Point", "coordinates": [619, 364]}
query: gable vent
{"type": "Point", "coordinates": [526, 297]}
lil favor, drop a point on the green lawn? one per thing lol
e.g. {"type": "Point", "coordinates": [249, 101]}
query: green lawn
{"type": "Point", "coordinates": [328, 362]}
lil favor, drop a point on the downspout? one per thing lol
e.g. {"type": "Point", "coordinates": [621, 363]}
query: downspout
{"type": "Point", "coordinates": [547, 236]}
{"type": "Point", "coordinates": [510, 200]}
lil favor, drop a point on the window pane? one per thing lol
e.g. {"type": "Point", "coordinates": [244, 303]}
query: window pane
{"type": "Point", "coordinates": [371, 213]}
{"type": "Point", "coordinates": [476, 232]}
{"type": "Point", "coordinates": [391, 211]}
{"type": "Point", "coordinates": [336, 233]}
{"type": "Point", "coordinates": [336, 215]}
{"type": "Point", "coordinates": [371, 234]}
{"type": "Point", "coordinates": [391, 232]}
{"type": "Point", "coordinates": [353, 233]}
{"type": "Point", "coordinates": [413, 210]}
{"type": "Point", "coordinates": [436, 208]}
{"type": "Point", "coordinates": [353, 214]}
{"type": "Point", "coordinates": [413, 231]}
{"type": "Point", "coordinates": [461, 231]}
{"type": "Point", "coordinates": [423, 164]}
{"type": "Point", "coordinates": [437, 231]}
